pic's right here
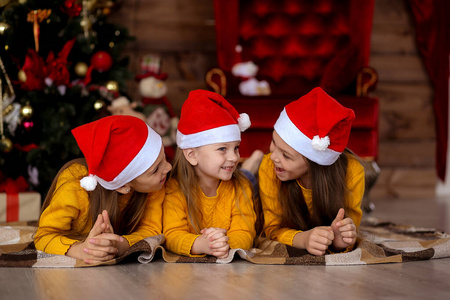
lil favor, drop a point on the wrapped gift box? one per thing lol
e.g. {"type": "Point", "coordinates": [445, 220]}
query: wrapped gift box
{"type": "Point", "coordinates": [23, 206]}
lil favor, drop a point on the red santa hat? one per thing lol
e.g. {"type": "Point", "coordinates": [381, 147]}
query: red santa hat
{"type": "Point", "coordinates": [117, 150]}
{"type": "Point", "coordinates": [316, 126]}
{"type": "Point", "coordinates": [207, 118]}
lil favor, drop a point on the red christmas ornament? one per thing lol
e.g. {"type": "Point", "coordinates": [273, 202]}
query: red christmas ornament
{"type": "Point", "coordinates": [71, 8]}
{"type": "Point", "coordinates": [101, 61]}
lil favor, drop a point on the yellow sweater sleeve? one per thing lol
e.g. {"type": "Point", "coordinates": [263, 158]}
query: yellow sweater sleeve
{"type": "Point", "coordinates": [151, 223]}
{"type": "Point", "coordinates": [176, 226]}
{"type": "Point", "coordinates": [241, 232]}
{"type": "Point", "coordinates": [355, 185]}
{"type": "Point", "coordinates": [268, 191]}
{"type": "Point", "coordinates": [68, 209]}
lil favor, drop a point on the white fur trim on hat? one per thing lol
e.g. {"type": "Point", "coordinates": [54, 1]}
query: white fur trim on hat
{"type": "Point", "coordinates": [303, 144]}
{"type": "Point", "coordinates": [223, 134]}
{"type": "Point", "coordinates": [140, 163]}
{"type": "Point", "coordinates": [244, 122]}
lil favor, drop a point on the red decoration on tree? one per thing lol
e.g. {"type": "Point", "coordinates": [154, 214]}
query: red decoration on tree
{"type": "Point", "coordinates": [34, 71]}
{"type": "Point", "coordinates": [101, 61]}
{"type": "Point", "coordinates": [57, 67]}
{"type": "Point", "coordinates": [71, 8]}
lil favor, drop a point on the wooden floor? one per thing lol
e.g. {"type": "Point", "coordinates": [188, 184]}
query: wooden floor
{"type": "Point", "coordinates": [244, 280]}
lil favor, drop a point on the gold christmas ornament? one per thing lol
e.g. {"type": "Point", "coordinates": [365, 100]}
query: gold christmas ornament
{"type": "Point", "coordinates": [6, 144]}
{"type": "Point", "coordinates": [26, 111]}
{"type": "Point", "coordinates": [99, 104]}
{"type": "Point", "coordinates": [81, 69]}
{"type": "Point", "coordinates": [86, 24]}
{"type": "Point", "coordinates": [3, 27]}
{"type": "Point", "coordinates": [112, 86]}
{"type": "Point", "coordinates": [22, 76]}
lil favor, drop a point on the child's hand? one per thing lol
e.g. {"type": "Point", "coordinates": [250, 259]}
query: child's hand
{"type": "Point", "coordinates": [212, 233]}
{"type": "Point", "coordinates": [218, 241]}
{"type": "Point", "coordinates": [344, 231]}
{"type": "Point", "coordinates": [315, 241]}
{"type": "Point", "coordinates": [121, 246]}
{"type": "Point", "coordinates": [98, 246]}
{"type": "Point", "coordinates": [107, 221]}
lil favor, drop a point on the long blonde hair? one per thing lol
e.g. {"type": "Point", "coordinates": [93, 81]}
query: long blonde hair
{"type": "Point", "coordinates": [184, 174]}
{"type": "Point", "coordinates": [123, 222]}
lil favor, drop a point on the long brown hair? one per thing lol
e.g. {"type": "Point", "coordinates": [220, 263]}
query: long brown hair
{"type": "Point", "coordinates": [100, 199]}
{"type": "Point", "coordinates": [329, 190]}
{"type": "Point", "coordinates": [184, 174]}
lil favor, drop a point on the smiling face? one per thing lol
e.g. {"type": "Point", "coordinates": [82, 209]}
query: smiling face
{"type": "Point", "coordinates": [289, 164]}
{"type": "Point", "coordinates": [214, 162]}
{"type": "Point", "coordinates": [154, 178]}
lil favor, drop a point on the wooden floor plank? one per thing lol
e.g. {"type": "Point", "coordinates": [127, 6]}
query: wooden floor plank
{"type": "Point", "coordinates": [244, 280]}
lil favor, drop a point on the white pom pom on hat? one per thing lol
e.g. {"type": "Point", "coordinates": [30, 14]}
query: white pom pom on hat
{"type": "Point", "coordinates": [320, 144]}
{"type": "Point", "coordinates": [89, 183]}
{"type": "Point", "coordinates": [117, 149]}
{"type": "Point", "coordinates": [316, 126]}
{"type": "Point", "coordinates": [244, 122]}
{"type": "Point", "coordinates": [207, 118]}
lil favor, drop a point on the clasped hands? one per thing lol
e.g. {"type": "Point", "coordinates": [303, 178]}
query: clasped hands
{"type": "Point", "coordinates": [213, 241]}
{"type": "Point", "coordinates": [101, 244]}
{"type": "Point", "coordinates": [340, 235]}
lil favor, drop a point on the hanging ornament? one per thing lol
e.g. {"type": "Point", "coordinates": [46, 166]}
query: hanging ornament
{"type": "Point", "coordinates": [99, 104]}
{"type": "Point", "coordinates": [86, 24]}
{"type": "Point", "coordinates": [36, 17]}
{"type": "Point", "coordinates": [8, 97]}
{"type": "Point", "coordinates": [22, 76]}
{"type": "Point", "coordinates": [87, 18]}
{"type": "Point", "coordinates": [27, 111]}
{"type": "Point", "coordinates": [112, 86]}
{"type": "Point", "coordinates": [6, 144]}
{"type": "Point", "coordinates": [81, 69]}
{"type": "Point", "coordinates": [3, 27]}
{"type": "Point", "coordinates": [101, 61]}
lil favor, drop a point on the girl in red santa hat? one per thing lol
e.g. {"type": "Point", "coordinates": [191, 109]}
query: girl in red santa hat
{"type": "Point", "coordinates": [311, 186]}
{"type": "Point", "coordinates": [208, 207]}
{"type": "Point", "coordinates": [99, 206]}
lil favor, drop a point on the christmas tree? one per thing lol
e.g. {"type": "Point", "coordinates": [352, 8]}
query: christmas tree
{"type": "Point", "coordinates": [61, 66]}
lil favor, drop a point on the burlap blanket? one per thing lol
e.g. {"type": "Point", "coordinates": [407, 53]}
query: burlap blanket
{"type": "Point", "coordinates": [378, 242]}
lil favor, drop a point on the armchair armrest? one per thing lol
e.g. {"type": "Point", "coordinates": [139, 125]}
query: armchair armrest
{"type": "Point", "coordinates": [366, 81]}
{"type": "Point", "coordinates": [216, 79]}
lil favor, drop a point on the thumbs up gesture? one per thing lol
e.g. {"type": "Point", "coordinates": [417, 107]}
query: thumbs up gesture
{"type": "Point", "coordinates": [344, 231]}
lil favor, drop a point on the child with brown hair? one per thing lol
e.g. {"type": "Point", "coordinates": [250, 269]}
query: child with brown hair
{"type": "Point", "coordinates": [208, 207]}
{"type": "Point", "coordinates": [310, 186]}
{"type": "Point", "coordinates": [99, 206]}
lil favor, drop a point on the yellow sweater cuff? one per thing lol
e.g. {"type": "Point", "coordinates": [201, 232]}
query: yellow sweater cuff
{"type": "Point", "coordinates": [288, 237]}
{"type": "Point", "coordinates": [186, 243]}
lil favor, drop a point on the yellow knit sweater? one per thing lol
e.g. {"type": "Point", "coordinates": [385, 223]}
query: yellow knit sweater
{"type": "Point", "coordinates": [269, 186]}
{"type": "Point", "coordinates": [69, 210]}
{"type": "Point", "coordinates": [219, 211]}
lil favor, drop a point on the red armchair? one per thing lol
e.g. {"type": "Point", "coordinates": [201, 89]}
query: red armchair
{"type": "Point", "coordinates": [298, 45]}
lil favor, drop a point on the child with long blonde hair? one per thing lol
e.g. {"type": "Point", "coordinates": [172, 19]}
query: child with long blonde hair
{"type": "Point", "coordinates": [208, 207]}
{"type": "Point", "coordinates": [310, 186]}
{"type": "Point", "coordinates": [99, 206]}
